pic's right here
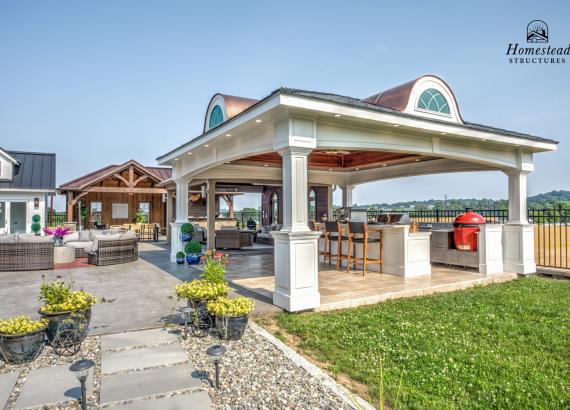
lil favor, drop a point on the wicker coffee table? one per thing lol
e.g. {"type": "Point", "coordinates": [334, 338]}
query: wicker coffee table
{"type": "Point", "coordinates": [63, 254]}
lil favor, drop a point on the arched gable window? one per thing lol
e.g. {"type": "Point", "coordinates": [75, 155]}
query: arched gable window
{"type": "Point", "coordinates": [434, 101]}
{"type": "Point", "coordinates": [216, 117]}
{"type": "Point", "coordinates": [273, 217]}
{"type": "Point", "coordinates": [312, 205]}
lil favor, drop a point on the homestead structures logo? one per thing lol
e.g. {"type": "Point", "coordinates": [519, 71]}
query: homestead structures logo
{"type": "Point", "coordinates": [537, 34]}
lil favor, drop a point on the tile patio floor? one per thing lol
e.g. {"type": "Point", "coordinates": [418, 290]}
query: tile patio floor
{"type": "Point", "coordinates": [343, 290]}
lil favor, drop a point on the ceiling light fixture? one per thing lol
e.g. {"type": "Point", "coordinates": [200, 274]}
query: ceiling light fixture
{"type": "Point", "coordinates": [265, 165]}
{"type": "Point", "coordinates": [330, 169]}
{"type": "Point", "coordinates": [396, 125]}
{"type": "Point", "coordinates": [206, 145]}
{"type": "Point", "coordinates": [443, 133]}
{"type": "Point", "coordinates": [258, 120]}
{"type": "Point", "coordinates": [356, 169]}
{"type": "Point", "coordinates": [189, 153]}
{"type": "Point", "coordinates": [417, 160]}
{"type": "Point", "coordinates": [228, 135]}
{"type": "Point", "coordinates": [175, 159]}
{"type": "Point", "coordinates": [337, 115]}
{"type": "Point", "coordinates": [384, 165]}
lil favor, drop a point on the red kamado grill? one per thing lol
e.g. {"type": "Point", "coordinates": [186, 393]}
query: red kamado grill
{"type": "Point", "coordinates": [465, 230]}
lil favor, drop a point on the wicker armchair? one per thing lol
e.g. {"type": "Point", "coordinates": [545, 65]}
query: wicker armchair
{"type": "Point", "coordinates": [26, 256]}
{"type": "Point", "coordinates": [114, 252]}
{"type": "Point", "coordinates": [233, 239]}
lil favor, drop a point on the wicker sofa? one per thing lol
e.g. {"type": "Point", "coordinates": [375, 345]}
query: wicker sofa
{"type": "Point", "coordinates": [25, 252]}
{"type": "Point", "coordinates": [233, 239]}
{"type": "Point", "coordinates": [114, 252]}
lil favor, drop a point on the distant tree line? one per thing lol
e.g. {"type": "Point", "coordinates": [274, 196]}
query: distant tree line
{"type": "Point", "coordinates": [549, 200]}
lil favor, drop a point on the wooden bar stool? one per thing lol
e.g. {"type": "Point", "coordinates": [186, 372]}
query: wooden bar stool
{"type": "Point", "coordinates": [358, 234]}
{"type": "Point", "coordinates": [332, 233]}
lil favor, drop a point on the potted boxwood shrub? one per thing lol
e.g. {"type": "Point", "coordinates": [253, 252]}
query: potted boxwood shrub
{"type": "Point", "coordinates": [21, 338]}
{"type": "Point", "coordinates": [36, 227]}
{"type": "Point", "coordinates": [180, 257]}
{"type": "Point", "coordinates": [186, 231]}
{"type": "Point", "coordinates": [63, 304]}
{"type": "Point", "coordinates": [231, 315]}
{"type": "Point", "coordinates": [193, 251]}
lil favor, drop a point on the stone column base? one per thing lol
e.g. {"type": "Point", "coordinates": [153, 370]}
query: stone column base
{"type": "Point", "coordinates": [176, 244]}
{"type": "Point", "coordinates": [518, 249]}
{"type": "Point", "coordinates": [296, 270]}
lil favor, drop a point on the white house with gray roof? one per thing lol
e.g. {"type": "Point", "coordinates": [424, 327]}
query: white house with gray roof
{"type": "Point", "coordinates": [27, 182]}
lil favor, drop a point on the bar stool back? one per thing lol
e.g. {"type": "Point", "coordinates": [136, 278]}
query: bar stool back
{"type": "Point", "coordinates": [332, 233]}
{"type": "Point", "coordinates": [358, 234]}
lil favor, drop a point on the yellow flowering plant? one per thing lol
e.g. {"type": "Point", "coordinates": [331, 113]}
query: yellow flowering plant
{"type": "Point", "coordinates": [201, 290]}
{"type": "Point", "coordinates": [225, 307]}
{"type": "Point", "coordinates": [21, 325]}
{"type": "Point", "coordinates": [77, 300]}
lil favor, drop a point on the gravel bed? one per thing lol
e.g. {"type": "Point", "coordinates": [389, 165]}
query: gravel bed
{"type": "Point", "coordinates": [256, 375]}
{"type": "Point", "coordinates": [90, 349]}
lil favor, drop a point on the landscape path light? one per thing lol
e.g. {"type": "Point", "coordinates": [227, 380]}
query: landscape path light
{"type": "Point", "coordinates": [216, 352]}
{"type": "Point", "coordinates": [185, 313]}
{"type": "Point", "coordinates": [81, 369]}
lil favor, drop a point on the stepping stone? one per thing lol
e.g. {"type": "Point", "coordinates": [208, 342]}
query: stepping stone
{"type": "Point", "coordinates": [147, 383]}
{"type": "Point", "coordinates": [7, 383]}
{"type": "Point", "coordinates": [51, 385]}
{"type": "Point", "coordinates": [137, 339]}
{"type": "Point", "coordinates": [165, 355]}
{"type": "Point", "coordinates": [190, 401]}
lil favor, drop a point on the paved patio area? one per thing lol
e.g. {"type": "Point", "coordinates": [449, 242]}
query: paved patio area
{"type": "Point", "coordinates": [132, 296]}
{"type": "Point", "coordinates": [343, 290]}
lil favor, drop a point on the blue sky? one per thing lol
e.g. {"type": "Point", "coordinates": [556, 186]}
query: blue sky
{"type": "Point", "coordinates": [102, 82]}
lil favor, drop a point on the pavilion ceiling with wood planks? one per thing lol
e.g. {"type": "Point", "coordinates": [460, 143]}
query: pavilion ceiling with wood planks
{"type": "Point", "coordinates": [339, 159]}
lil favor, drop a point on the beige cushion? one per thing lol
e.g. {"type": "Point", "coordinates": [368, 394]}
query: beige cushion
{"type": "Point", "coordinates": [102, 237]}
{"type": "Point", "coordinates": [229, 228]}
{"type": "Point", "coordinates": [74, 236]}
{"type": "Point", "coordinates": [128, 235]}
{"type": "Point", "coordinates": [8, 238]}
{"type": "Point", "coordinates": [86, 245]}
{"type": "Point", "coordinates": [85, 235]}
{"type": "Point", "coordinates": [31, 238]}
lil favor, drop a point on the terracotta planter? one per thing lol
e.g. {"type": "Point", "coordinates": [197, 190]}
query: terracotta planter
{"type": "Point", "coordinates": [56, 319]}
{"type": "Point", "coordinates": [231, 327]}
{"type": "Point", "coordinates": [22, 348]}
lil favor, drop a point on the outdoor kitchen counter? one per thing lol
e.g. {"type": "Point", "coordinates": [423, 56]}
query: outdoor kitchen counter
{"type": "Point", "coordinates": [405, 254]}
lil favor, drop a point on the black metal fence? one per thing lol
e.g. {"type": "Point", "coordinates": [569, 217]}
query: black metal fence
{"type": "Point", "coordinates": [56, 218]}
{"type": "Point", "coordinates": [551, 228]}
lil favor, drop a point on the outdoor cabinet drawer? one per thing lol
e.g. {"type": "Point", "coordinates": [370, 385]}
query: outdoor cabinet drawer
{"type": "Point", "coordinates": [470, 259]}
{"type": "Point", "coordinates": [439, 239]}
{"type": "Point", "coordinates": [438, 255]}
{"type": "Point", "coordinates": [453, 257]}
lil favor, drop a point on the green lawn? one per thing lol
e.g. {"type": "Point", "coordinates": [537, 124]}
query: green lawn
{"type": "Point", "coordinates": [498, 346]}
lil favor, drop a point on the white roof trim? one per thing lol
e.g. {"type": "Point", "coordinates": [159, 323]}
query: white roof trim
{"type": "Point", "coordinates": [9, 157]}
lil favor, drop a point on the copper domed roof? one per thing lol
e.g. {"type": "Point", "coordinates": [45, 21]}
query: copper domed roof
{"type": "Point", "coordinates": [234, 105]}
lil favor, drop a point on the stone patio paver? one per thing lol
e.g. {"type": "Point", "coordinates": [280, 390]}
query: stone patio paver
{"type": "Point", "coordinates": [7, 383]}
{"type": "Point", "coordinates": [51, 385]}
{"type": "Point", "coordinates": [136, 339]}
{"type": "Point", "coordinates": [150, 382]}
{"type": "Point", "coordinates": [142, 358]}
{"type": "Point", "coordinates": [190, 401]}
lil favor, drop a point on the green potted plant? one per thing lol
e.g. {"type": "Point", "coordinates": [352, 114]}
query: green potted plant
{"type": "Point", "coordinates": [180, 257]}
{"type": "Point", "coordinates": [214, 270]}
{"type": "Point", "coordinates": [193, 251]}
{"type": "Point", "coordinates": [62, 303]}
{"type": "Point", "coordinates": [21, 338]}
{"type": "Point", "coordinates": [186, 231]}
{"type": "Point", "coordinates": [231, 315]}
{"type": "Point", "coordinates": [36, 227]}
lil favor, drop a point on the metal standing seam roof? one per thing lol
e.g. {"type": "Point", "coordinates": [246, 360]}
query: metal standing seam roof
{"type": "Point", "coordinates": [36, 171]}
{"type": "Point", "coordinates": [363, 104]}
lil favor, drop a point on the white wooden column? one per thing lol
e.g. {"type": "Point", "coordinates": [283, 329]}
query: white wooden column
{"type": "Point", "coordinates": [211, 213]}
{"type": "Point", "coordinates": [169, 216]}
{"type": "Point", "coordinates": [518, 235]}
{"type": "Point", "coordinates": [330, 208]}
{"type": "Point", "coordinates": [296, 246]}
{"type": "Point", "coordinates": [347, 195]}
{"type": "Point", "coordinates": [181, 217]}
